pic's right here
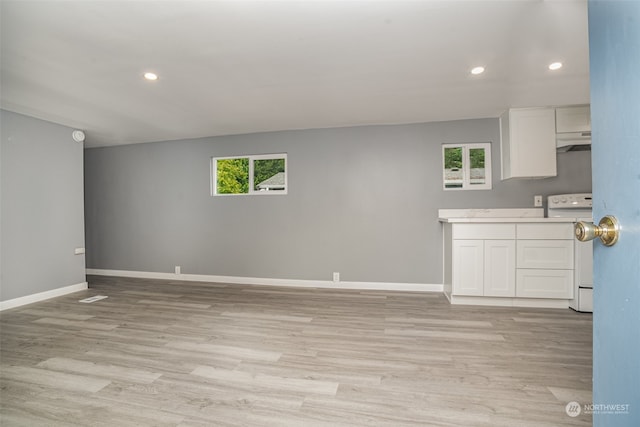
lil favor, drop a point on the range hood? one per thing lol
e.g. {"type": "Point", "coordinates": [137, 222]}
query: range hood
{"type": "Point", "coordinates": [573, 141]}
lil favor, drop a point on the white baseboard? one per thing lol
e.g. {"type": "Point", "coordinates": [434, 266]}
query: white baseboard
{"type": "Point", "coordinates": [383, 286]}
{"type": "Point", "coordinates": [41, 296]}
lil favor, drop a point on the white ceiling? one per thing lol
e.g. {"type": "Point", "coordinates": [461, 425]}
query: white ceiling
{"type": "Point", "coordinates": [230, 67]}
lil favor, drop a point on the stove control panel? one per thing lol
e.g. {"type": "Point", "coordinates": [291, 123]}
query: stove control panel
{"type": "Point", "coordinates": [570, 201]}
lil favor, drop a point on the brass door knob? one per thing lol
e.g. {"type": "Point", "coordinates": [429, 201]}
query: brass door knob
{"type": "Point", "coordinates": [607, 230]}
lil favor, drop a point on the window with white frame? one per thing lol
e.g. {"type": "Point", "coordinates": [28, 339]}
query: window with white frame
{"type": "Point", "coordinates": [466, 166]}
{"type": "Point", "coordinates": [256, 174]}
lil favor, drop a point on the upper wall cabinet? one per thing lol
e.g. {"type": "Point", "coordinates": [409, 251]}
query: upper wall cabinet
{"type": "Point", "coordinates": [573, 119]}
{"type": "Point", "coordinates": [528, 143]}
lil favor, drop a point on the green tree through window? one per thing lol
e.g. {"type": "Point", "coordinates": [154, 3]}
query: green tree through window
{"type": "Point", "coordinates": [232, 176]}
{"type": "Point", "coordinates": [265, 169]}
{"type": "Point", "coordinates": [453, 158]}
{"type": "Point", "coordinates": [476, 156]}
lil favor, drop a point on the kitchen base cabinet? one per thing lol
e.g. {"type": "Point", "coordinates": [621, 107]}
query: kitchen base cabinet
{"type": "Point", "coordinates": [483, 259]}
{"type": "Point", "coordinates": [545, 261]}
{"type": "Point", "coordinates": [509, 264]}
{"type": "Point", "coordinates": [484, 267]}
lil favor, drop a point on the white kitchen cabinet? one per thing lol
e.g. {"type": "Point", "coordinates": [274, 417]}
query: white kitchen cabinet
{"type": "Point", "coordinates": [528, 143]}
{"type": "Point", "coordinates": [515, 263]}
{"type": "Point", "coordinates": [573, 119]}
{"type": "Point", "coordinates": [468, 267]}
{"type": "Point", "coordinates": [499, 267]}
{"type": "Point", "coordinates": [483, 260]}
{"type": "Point", "coordinates": [545, 261]}
{"type": "Point", "coordinates": [484, 268]}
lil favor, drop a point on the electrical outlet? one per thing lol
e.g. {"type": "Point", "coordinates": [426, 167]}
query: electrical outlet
{"type": "Point", "coordinates": [336, 277]}
{"type": "Point", "coordinates": [537, 201]}
{"type": "Point", "coordinates": [177, 269]}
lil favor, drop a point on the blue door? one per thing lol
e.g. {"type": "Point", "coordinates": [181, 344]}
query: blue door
{"type": "Point", "coordinates": [614, 49]}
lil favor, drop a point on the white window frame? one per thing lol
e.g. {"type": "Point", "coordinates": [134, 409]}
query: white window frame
{"type": "Point", "coordinates": [466, 166]}
{"type": "Point", "coordinates": [251, 191]}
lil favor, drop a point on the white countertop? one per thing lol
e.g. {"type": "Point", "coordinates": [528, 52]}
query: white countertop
{"type": "Point", "coordinates": [492, 213]}
{"type": "Point", "coordinates": [480, 220]}
{"type": "Point", "coordinates": [500, 215]}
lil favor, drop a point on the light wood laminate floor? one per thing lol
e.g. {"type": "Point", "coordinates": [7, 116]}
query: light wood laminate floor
{"type": "Point", "coordinates": [169, 353]}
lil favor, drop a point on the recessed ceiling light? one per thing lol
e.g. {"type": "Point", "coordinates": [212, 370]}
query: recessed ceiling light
{"type": "Point", "coordinates": [477, 70]}
{"type": "Point", "coordinates": [555, 66]}
{"type": "Point", "coordinates": [150, 76]}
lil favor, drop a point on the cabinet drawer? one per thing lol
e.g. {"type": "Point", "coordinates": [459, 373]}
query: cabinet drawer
{"type": "Point", "coordinates": [563, 230]}
{"type": "Point", "coordinates": [484, 231]}
{"type": "Point", "coordinates": [544, 283]}
{"type": "Point", "coordinates": [544, 254]}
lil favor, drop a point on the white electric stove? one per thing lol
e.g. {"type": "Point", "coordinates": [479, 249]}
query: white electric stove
{"type": "Point", "coordinates": [577, 206]}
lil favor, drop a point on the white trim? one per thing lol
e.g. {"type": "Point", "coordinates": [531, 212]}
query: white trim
{"type": "Point", "coordinates": [448, 296]}
{"type": "Point", "coordinates": [383, 286]}
{"type": "Point", "coordinates": [509, 302]}
{"type": "Point", "coordinates": [41, 296]}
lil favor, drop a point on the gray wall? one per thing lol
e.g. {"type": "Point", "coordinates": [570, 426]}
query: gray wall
{"type": "Point", "coordinates": [362, 201]}
{"type": "Point", "coordinates": [42, 207]}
